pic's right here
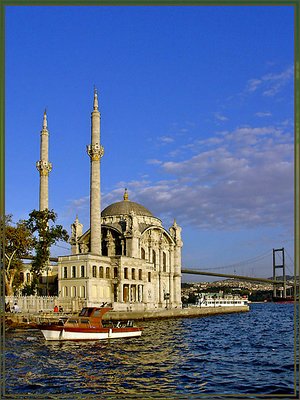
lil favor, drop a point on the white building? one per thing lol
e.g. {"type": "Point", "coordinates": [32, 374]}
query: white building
{"type": "Point", "coordinates": [126, 258]}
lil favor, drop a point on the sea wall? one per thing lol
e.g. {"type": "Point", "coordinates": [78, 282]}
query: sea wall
{"type": "Point", "coordinates": [174, 313]}
{"type": "Point", "coordinates": [28, 320]}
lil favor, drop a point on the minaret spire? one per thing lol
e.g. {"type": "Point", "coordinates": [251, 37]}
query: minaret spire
{"type": "Point", "coordinates": [95, 99]}
{"type": "Point", "coordinates": [95, 151]}
{"type": "Point", "coordinates": [45, 124]}
{"type": "Point", "coordinates": [43, 165]}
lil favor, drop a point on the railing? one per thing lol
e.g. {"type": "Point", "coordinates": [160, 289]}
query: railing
{"type": "Point", "coordinates": [38, 304]}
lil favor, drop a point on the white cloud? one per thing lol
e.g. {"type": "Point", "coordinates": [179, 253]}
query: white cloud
{"type": "Point", "coordinates": [271, 84]}
{"type": "Point", "coordinates": [80, 203]}
{"type": "Point", "coordinates": [220, 117]}
{"type": "Point", "coordinates": [253, 84]}
{"type": "Point", "coordinates": [166, 139]}
{"type": "Point", "coordinates": [154, 161]}
{"type": "Point", "coordinates": [241, 178]}
{"type": "Point", "coordinates": [247, 181]}
{"type": "Point", "coordinates": [263, 114]}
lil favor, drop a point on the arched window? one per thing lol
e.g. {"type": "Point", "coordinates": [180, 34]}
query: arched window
{"type": "Point", "coordinates": [154, 259]}
{"type": "Point", "coordinates": [82, 290]}
{"type": "Point", "coordinates": [140, 274]}
{"type": "Point", "coordinates": [73, 271]}
{"type": "Point", "coordinates": [115, 272]}
{"type": "Point", "coordinates": [28, 277]}
{"type": "Point", "coordinates": [107, 273]}
{"type": "Point", "coordinates": [143, 254]}
{"type": "Point", "coordinates": [132, 273]}
{"type": "Point", "coordinates": [164, 262]}
{"type": "Point", "coordinates": [22, 276]}
{"type": "Point", "coordinates": [101, 273]}
{"type": "Point", "coordinates": [66, 291]}
{"type": "Point", "coordinates": [94, 271]}
{"type": "Point", "coordinates": [73, 291]}
{"type": "Point", "coordinates": [149, 276]}
{"type": "Point", "coordinates": [125, 273]}
{"type": "Point", "coordinates": [82, 271]}
{"type": "Point", "coordinates": [65, 272]}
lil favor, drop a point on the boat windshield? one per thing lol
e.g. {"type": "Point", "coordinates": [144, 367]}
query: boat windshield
{"type": "Point", "coordinates": [86, 312]}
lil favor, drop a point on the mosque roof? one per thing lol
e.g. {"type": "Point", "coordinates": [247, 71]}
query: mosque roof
{"type": "Point", "coordinates": [125, 207]}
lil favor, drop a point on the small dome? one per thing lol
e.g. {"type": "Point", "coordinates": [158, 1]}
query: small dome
{"type": "Point", "coordinates": [125, 207]}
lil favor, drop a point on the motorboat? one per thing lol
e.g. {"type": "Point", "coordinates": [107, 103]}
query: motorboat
{"type": "Point", "coordinates": [89, 325]}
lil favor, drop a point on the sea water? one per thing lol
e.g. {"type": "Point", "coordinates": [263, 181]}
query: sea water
{"type": "Point", "coordinates": [243, 353]}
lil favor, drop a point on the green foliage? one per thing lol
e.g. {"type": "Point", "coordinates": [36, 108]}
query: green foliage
{"type": "Point", "coordinates": [193, 297]}
{"type": "Point", "coordinates": [18, 241]}
{"type": "Point", "coordinates": [30, 288]}
{"type": "Point", "coordinates": [261, 295]}
{"type": "Point", "coordinates": [42, 223]}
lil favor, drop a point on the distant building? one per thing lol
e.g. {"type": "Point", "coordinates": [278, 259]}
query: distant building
{"type": "Point", "coordinates": [48, 280]}
{"type": "Point", "coordinates": [126, 258]}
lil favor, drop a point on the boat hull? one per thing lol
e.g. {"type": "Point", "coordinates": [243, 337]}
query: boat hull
{"type": "Point", "coordinates": [61, 333]}
{"type": "Point", "coordinates": [283, 299]}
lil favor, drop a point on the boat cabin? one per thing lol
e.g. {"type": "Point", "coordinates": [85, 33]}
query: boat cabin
{"type": "Point", "coordinates": [88, 317]}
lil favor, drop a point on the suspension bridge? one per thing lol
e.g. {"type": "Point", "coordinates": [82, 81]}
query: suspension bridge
{"type": "Point", "coordinates": [208, 272]}
{"type": "Point", "coordinates": [278, 262]}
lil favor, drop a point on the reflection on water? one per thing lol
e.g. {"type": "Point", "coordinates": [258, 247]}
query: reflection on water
{"type": "Point", "coordinates": [182, 356]}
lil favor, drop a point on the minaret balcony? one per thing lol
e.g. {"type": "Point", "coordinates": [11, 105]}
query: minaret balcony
{"type": "Point", "coordinates": [95, 151]}
{"type": "Point", "coordinates": [44, 167]}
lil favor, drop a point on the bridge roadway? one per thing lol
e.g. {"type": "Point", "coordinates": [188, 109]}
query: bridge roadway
{"type": "Point", "coordinates": [241, 277]}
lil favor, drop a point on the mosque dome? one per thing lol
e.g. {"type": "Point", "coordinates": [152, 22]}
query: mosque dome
{"type": "Point", "coordinates": [125, 207]}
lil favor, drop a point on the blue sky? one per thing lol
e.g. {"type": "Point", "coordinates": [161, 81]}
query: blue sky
{"type": "Point", "coordinates": [196, 120]}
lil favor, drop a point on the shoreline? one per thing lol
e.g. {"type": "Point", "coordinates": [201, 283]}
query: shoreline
{"type": "Point", "coordinates": [30, 321]}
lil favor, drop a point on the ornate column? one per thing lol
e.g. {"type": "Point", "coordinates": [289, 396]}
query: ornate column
{"type": "Point", "coordinates": [149, 245]}
{"type": "Point", "coordinates": [135, 235]}
{"type": "Point", "coordinates": [95, 151]}
{"type": "Point", "coordinates": [160, 289]}
{"type": "Point", "coordinates": [44, 166]}
{"type": "Point", "coordinates": [171, 275]}
{"type": "Point", "coordinates": [175, 232]}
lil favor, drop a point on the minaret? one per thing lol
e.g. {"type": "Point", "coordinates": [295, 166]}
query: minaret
{"type": "Point", "coordinates": [43, 165]}
{"type": "Point", "coordinates": [95, 151]}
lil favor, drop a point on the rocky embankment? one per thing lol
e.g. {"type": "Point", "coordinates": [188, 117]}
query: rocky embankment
{"type": "Point", "coordinates": [12, 323]}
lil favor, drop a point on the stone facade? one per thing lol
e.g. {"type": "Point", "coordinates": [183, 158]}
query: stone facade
{"type": "Point", "coordinates": [127, 258]}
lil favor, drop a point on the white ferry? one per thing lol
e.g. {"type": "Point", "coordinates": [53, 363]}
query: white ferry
{"type": "Point", "coordinates": [221, 300]}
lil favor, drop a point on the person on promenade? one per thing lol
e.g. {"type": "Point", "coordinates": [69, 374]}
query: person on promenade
{"type": "Point", "coordinates": [15, 308]}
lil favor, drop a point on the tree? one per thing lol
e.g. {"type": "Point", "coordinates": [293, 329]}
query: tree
{"type": "Point", "coordinates": [18, 241]}
{"type": "Point", "coordinates": [43, 224]}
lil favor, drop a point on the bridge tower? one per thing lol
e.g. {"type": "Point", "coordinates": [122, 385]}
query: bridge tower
{"type": "Point", "coordinates": [275, 267]}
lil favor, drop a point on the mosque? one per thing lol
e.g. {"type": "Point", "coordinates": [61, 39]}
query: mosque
{"type": "Point", "coordinates": [126, 258]}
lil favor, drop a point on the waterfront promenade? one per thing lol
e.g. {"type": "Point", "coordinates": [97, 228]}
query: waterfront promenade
{"type": "Point", "coordinates": [23, 320]}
